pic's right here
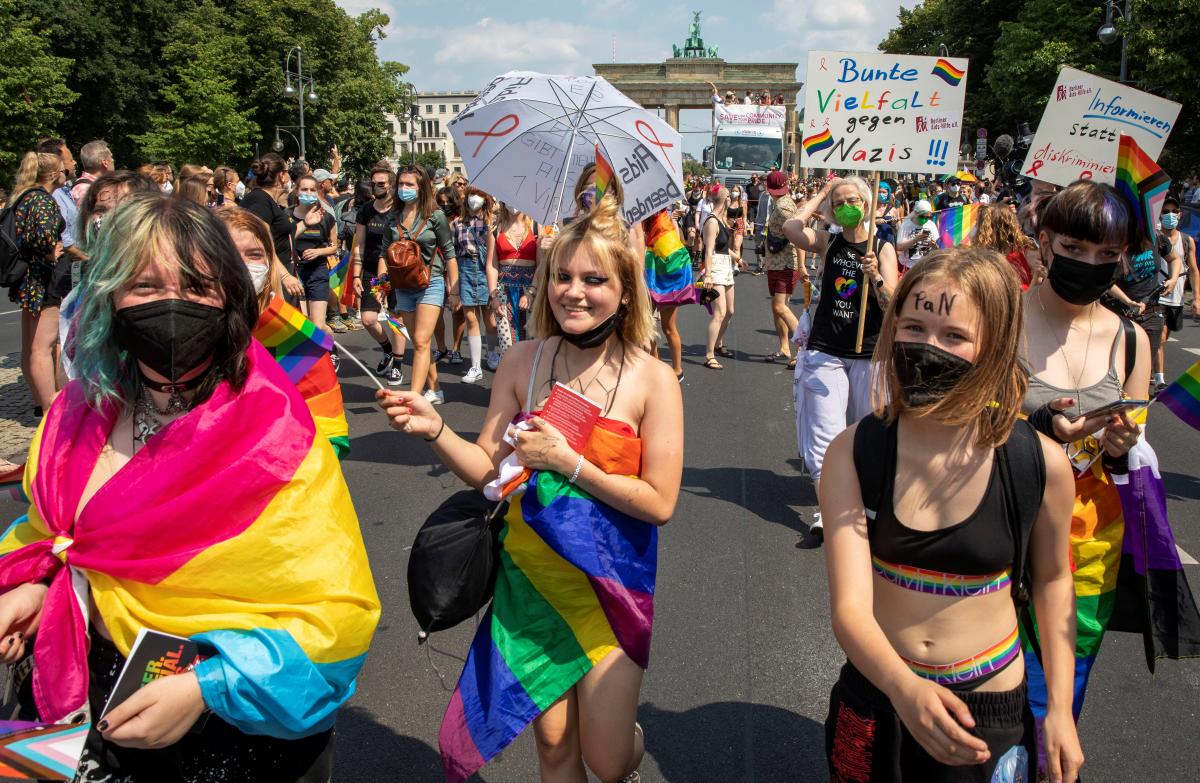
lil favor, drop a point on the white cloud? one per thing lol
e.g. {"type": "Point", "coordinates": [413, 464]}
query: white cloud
{"type": "Point", "coordinates": [842, 25]}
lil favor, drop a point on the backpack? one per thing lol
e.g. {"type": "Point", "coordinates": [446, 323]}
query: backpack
{"type": "Point", "coordinates": [13, 263]}
{"type": "Point", "coordinates": [1022, 475]}
{"type": "Point", "coordinates": [406, 268]}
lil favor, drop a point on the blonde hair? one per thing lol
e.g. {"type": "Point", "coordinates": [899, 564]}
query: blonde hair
{"type": "Point", "coordinates": [989, 396]}
{"type": "Point", "coordinates": [998, 229]}
{"type": "Point", "coordinates": [37, 168]}
{"type": "Point", "coordinates": [600, 232]}
{"type": "Point", "coordinates": [234, 217]}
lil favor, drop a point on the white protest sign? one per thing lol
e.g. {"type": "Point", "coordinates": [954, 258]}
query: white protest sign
{"type": "Point", "coordinates": [883, 112]}
{"type": "Point", "coordinates": [1082, 126]}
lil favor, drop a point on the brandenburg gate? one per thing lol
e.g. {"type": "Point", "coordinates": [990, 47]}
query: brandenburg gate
{"type": "Point", "coordinates": [681, 82]}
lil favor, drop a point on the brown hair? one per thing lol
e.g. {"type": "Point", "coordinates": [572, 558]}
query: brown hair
{"type": "Point", "coordinates": [485, 212]}
{"type": "Point", "coordinates": [193, 188]}
{"type": "Point", "coordinates": [989, 396]}
{"type": "Point", "coordinates": [267, 170]}
{"type": "Point", "coordinates": [1092, 211]}
{"type": "Point", "coordinates": [426, 203]}
{"type": "Point", "coordinates": [601, 232]}
{"type": "Point", "coordinates": [234, 217]}
{"type": "Point", "coordinates": [998, 229]}
{"type": "Point", "coordinates": [223, 177]}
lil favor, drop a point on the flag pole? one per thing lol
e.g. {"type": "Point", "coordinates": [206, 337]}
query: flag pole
{"type": "Point", "coordinates": [866, 286]}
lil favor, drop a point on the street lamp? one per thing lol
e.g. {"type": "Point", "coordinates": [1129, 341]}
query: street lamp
{"type": "Point", "coordinates": [298, 90]}
{"type": "Point", "coordinates": [414, 116]}
{"type": "Point", "coordinates": [1108, 33]}
{"type": "Point", "coordinates": [277, 145]}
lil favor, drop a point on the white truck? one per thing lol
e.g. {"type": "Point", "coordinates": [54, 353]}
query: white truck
{"type": "Point", "coordinates": [747, 140]}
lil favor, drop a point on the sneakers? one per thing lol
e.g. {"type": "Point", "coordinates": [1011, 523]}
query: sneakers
{"type": "Point", "coordinates": [436, 356]}
{"type": "Point", "coordinates": [474, 375]}
{"type": "Point", "coordinates": [493, 360]}
{"type": "Point", "coordinates": [434, 396]}
{"type": "Point", "coordinates": [395, 376]}
{"type": "Point", "coordinates": [337, 361]}
{"type": "Point", "coordinates": [454, 357]}
{"type": "Point", "coordinates": [337, 324]}
{"type": "Point", "coordinates": [384, 365]}
{"type": "Point", "coordinates": [353, 323]}
{"type": "Point", "coordinates": [816, 529]}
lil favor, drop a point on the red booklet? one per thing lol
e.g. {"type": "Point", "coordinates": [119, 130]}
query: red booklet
{"type": "Point", "coordinates": [572, 414]}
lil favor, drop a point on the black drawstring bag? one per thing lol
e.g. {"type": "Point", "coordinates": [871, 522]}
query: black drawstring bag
{"type": "Point", "coordinates": [452, 565]}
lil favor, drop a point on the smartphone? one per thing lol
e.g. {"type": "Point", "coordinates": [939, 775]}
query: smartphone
{"type": "Point", "coordinates": [1113, 407]}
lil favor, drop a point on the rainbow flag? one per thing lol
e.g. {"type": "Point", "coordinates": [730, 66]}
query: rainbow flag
{"type": "Point", "coordinates": [575, 582]}
{"type": "Point", "coordinates": [1183, 397]}
{"type": "Point", "coordinates": [254, 550]}
{"type": "Point", "coordinates": [668, 263]}
{"type": "Point", "coordinates": [945, 70]}
{"type": "Point", "coordinates": [338, 277]}
{"type": "Point", "coordinates": [954, 225]}
{"type": "Point", "coordinates": [1143, 184]}
{"type": "Point", "coordinates": [604, 174]}
{"type": "Point", "coordinates": [1128, 576]}
{"type": "Point", "coordinates": [302, 349]}
{"type": "Point", "coordinates": [821, 141]}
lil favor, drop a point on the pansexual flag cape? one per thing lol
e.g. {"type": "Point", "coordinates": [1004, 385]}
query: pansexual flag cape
{"type": "Point", "coordinates": [575, 582]}
{"type": "Point", "coordinates": [954, 224]}
{"type": "Point", "coordinates": [232, 526]}
{"type": "Point", "coordinates": [1128, 576]}
{"type": "Point", "coordinates": [302, 350]}
{"type": "Point", "coordinates": [668, 263]}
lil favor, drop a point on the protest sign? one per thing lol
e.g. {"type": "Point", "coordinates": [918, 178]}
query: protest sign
{"type": "Point", "coordinates": [883, 112]}
{"type": "Point", "coordinates": [1082, 126]}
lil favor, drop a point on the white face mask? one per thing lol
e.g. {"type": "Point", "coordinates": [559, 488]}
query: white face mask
{"type": "Point", "coordinates": [474, 202]}
{"type": "Point", "coordinates": [259, 274]}
{"type": "Point", "coordinates": [240, 189]}
{"type": "Point", "coordinates": [167, 187]}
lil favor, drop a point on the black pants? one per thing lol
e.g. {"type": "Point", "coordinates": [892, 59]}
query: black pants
{"type": "Point", "coordinates": [866, 741]}
{"type": "Point", "coordinates": [216, 753]}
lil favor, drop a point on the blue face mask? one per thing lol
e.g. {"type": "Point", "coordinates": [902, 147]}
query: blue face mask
{"type": "Point", "coordinates": [407, 194]}
{"type": "Point", "coordinates": [307, 199]}
{"type": "Point", "coordinates": [1170, 220]}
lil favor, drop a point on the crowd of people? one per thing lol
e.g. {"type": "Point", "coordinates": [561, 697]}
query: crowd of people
{"type": "Point", "coordinates": [147, 299]}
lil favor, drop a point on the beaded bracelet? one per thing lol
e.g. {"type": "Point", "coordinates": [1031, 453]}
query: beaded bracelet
{"type": "Point", "coordinates": [578, 468]}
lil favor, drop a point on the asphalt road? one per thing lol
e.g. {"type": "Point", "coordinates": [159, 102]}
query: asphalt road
{"type": "Point", "coordinates": [743, 656]}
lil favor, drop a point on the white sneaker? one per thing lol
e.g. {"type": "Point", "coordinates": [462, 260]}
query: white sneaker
{"type": "Point", "coordinates": [474, 375]}
{"type": "Point", "coordinates": [816, 529]}
{"type": "Point", "coordinates": [434, 397]}
{"type": "Point", "coordinates": [395, 377]}
{"type": "Point", "coordinates": [493, 360]}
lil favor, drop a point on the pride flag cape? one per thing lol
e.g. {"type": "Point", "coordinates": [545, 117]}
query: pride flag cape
{"type": "Point", "coordinates": [954, 224]}
{"type": "Point", "coordinates": [668, 263]}
{"type": "Point", "coordinates": [1142, 183]}
{"type": "Point", "coordinates": [302, 350]}
{"type": "Point", "coordinates": [575, 582]}
{"type": "Point", "coordinates": [232, 526]}
{"type": "Point", "coordinates": [1183, 397]}
{"type": "Point", "coordinates": [1128, 576]}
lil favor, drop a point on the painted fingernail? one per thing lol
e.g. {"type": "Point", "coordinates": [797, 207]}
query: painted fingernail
{"type": "Point", "coordinates": [19, 635]}
{"type": "Point", "coordinates": [102, 726]}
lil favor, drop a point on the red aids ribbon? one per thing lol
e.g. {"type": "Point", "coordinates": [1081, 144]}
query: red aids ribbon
{"type": "Point", "coordinates": [490, 132]}
{"type": "Point", "coordinates": [643, 128]}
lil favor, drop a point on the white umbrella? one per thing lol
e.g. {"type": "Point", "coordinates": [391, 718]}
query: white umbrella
{"type": "Point", "coordinates": [527, 136]}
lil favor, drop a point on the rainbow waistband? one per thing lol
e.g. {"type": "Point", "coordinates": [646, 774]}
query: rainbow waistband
{"type": "Point", "coordinates": [940, 583]}
{"type": "Point", "coordinates": [990, 661]}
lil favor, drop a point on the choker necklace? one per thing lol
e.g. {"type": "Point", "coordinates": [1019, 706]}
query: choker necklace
{"type": "Point", "coordinates": [146, 421]}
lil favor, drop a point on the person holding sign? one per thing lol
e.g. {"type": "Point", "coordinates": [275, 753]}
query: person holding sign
{"type": "Point", "coordinates": [579, 546]}
{"type": "Point", "coordinates": [835, 375]}
{"type": "Point", "coordinates": [944, 514]}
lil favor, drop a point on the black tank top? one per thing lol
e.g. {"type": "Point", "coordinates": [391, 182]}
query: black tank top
{"type": "Point", "coordinates": [734, 212]}
{"type": "Point", "coordinates": [981, 544]}
{"type": "Point", "coordinates": [721, 243]}
{"type": "Point", "coordinates": [835, 325]}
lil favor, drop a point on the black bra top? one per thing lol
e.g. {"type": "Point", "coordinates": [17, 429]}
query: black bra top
{"type": "Point", "coordinates": [980, 545]}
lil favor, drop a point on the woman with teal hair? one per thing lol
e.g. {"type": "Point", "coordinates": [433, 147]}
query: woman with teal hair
{"type": "Point", "coordinates": [162, 482]}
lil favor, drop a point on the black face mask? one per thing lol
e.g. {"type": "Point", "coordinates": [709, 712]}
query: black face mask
{"type": "Point", "coordinates": [926, 372]}
{"type": "Point", "coordinates": [1078, 282]}
{"type": "Point", "coordinates": [379, 191]}
{"type": "Point", "coordinates": [598, 333]}
{"type": "Point", "coordinates": [170, 336]}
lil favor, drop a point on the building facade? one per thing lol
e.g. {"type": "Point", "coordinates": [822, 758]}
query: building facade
{"type": "Point", "coordinates": [431, 131]}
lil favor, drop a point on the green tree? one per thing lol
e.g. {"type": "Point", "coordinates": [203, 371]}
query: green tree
{"type": "Point", "coordinates": [431, 159]}
{"type": "Point", "coordinates": [33, 90]}
{"type": "Point", "coordinates": [694, 168]}
{"type": "Point", "coordinates": [202, 120]}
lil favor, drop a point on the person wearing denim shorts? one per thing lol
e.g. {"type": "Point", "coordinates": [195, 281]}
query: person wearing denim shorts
{"type": "Point", "coordinates": [475, 245]}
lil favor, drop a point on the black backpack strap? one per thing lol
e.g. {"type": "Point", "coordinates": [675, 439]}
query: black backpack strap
{"type": "Point", "coordinates": [1130, 347]}
{"type": "Point", "coordinates": [1023, 473]}
{"type": "Point", "coordinates": [874, 454]}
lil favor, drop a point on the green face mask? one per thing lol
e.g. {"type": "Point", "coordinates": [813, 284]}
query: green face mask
{"type": "Point", "coordinates": [848, 215]}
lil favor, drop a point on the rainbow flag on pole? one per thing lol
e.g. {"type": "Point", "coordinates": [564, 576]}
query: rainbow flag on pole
{"type": "Point", "coordinates": [1143, 184]}
{"type": "Point", "coordinates": [575, 583]}
{"type": "Point", "coordinates": [954, 225]}
{"type": "Point", "coordinates": [668, 263]}
{"type": "Point", "coordinates": [1183, 397]}
{"type": "Point", "coordinates": [338, 277]}
{"type": "Point", "coordinates": [302, 349]}
{"type": "Point", "coordinates": [604, 174]}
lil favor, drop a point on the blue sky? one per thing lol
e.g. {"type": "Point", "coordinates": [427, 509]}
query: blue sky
{"type": "Point", "coordinates": [462, 45]}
